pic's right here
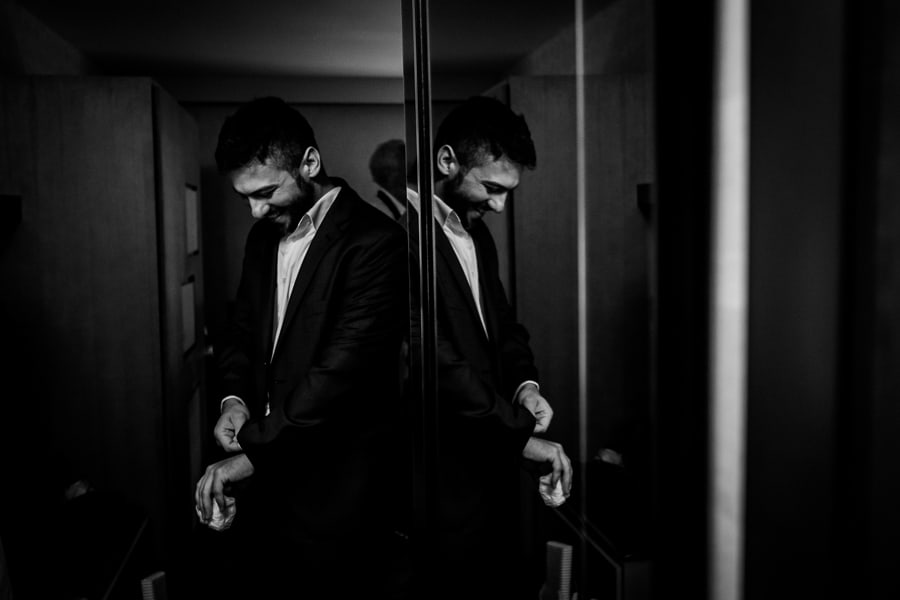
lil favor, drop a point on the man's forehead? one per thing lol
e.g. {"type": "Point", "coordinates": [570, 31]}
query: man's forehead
{"type": "Point", "coordinates": [501, 170]}
{"type": "Point", "coordinates": [256, 174]}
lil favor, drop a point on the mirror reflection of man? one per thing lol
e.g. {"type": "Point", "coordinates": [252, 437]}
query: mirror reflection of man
{"type": "Point", "coordinates": [490, 401]}
{"type": "Point", "coordinates": [309, 364]}
{"type": "Point", "coordinates": [388, 168]}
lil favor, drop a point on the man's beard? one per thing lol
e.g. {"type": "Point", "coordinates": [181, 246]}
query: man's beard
{"type": "Point", "coordinates": [295, 211]}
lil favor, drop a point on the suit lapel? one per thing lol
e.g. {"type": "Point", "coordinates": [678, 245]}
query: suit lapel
{"type": "Point", "coordinates": [488, 305]}
{"type": "Point", "coordinates": [389, 203]}
{"type": "Point", "coordinates": [326, 236]}
{"type": "Point", "coordinates": [268, 273]}
{"type": "Point", "coordinates": [451, 262]}
{"type": "Point", "coordinates": [452, 283]}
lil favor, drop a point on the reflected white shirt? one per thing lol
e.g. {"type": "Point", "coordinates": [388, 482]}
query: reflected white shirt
{"type": "Point", "coordinates": [464, 247]}
{"type": "Point", "coordinates": [462, 243]}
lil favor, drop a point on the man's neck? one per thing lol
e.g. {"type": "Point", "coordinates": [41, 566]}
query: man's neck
{"type": "Point", "coordinates": [440, 186]}
{"type": "Point", "coordinates": [321, 187]}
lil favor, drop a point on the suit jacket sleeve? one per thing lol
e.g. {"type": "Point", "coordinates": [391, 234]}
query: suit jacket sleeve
{"type": "Point", "coordinates": [477, 406]}
{"type": "Point", "coordinates": [472, 401]}
{"type": "Point", "coordinates": [366, 320]}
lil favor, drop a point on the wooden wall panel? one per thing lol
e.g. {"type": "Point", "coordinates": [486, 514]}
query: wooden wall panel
{"type": "Point", "coordinates": [545, 230]}
{"type": "Point", "coordinates": [177, 167]}
{"type": "Point", "coordinates": [618, 152]}
{"type": "Point", "coordinates": [618, 141]}
{"type": "Point", "coordinates": [80, 295]}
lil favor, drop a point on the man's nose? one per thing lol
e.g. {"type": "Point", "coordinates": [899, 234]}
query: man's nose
{"type": "Point", "coordinates": [496, 203]}
{"type": "Point", "coordinates": [258, 208]}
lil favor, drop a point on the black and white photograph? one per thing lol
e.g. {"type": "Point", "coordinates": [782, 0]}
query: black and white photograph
{"type": "Point", "coordinates": [449, 300]}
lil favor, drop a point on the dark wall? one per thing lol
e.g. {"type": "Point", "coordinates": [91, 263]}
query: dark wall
{"type": "Point", "coordinates": [619, 156]}
{"type": "Point", "coordinates": [822, 418]}
{"type": "Point", "coordinates": [868, 487]}
{"type": "Point", "coordinates": [884, 487]}
{"type": "Point", "coordinates": [28, 47]}
{"type": "Point", "coordinates": [796, 132]}
{"type": "Point", "coordinates": [83, 393]}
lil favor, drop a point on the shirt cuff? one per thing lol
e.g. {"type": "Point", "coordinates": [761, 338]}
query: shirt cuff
{"type": "Point", "coordinates": [222, 403]}
{"type": "Point", "coordinates": [519, 389]}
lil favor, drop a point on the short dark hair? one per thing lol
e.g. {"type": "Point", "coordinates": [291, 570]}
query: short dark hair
{"type": "Point", "coordinates": [388, 162]}
{"type": "Point", "coordinates": [261, 129]}
{"type": "Point", "coordinates": [482, 128]}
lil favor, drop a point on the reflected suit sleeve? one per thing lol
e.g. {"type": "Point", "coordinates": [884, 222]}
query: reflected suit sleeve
{"type": "Point", "coordinates": [470, 396]}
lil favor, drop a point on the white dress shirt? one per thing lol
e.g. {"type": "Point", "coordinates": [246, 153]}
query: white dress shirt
{"type": "Point", "coordinates": [292, 250]}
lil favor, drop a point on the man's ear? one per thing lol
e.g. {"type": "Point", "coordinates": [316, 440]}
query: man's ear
{"type": "Point", "coordinates": [311, 165]}
{"type": "Point", "coordinates": [447, 164]}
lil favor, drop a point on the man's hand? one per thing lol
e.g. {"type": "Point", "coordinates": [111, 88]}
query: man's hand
{"type": "Point", "coordinates": [542, 450]}
{"type": "Point", "coordinates": [537, 405]}
{"type": "Point", "coordinates": [234, 415]}
{"type": "Point", "coordinates": [211, 487]}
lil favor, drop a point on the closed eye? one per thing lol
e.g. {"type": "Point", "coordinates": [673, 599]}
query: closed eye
{"type": "Point", "coordinates": [263, 194]}
{"type": "Point", "coordinates": [495, 189]}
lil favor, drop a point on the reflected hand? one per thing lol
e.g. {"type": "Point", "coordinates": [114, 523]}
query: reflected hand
{"type": "Point", "coordinates": [537, 405]}
{"type": "Point", "coordinates": [229, 424]}
{"type": "Point", "coordinates": [211, 487]}
{"type": "Point", "coordinates": [541, 450]}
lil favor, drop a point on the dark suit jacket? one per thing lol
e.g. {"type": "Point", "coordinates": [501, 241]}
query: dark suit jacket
{"type": "Point", "coordinates": [393, 205]}
{"type": "Point", "coordinates": [482, 431]}
{"type": "Point", "coordinates": [320, 457]}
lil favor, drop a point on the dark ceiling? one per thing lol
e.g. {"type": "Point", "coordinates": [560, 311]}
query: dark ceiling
{"type": "Point", "coordinates": [341, 38]}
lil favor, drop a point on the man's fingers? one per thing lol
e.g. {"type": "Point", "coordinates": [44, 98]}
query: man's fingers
{"type": "Point", "coordinates": [567, 474]}
{"type": "Point", "coordinates": [224, 435]}
{"type": "Point", "coordinates": [542, 450]}
{"type": "Point", "coordinates": [205, 500]}
{"type": "Point", "coordinates": [225, 439]}
{"type": "Point", "coordinates": [218, 492]}
{"type": "Point", "coordinates": [220, 433]}
{"type": "Point", "coordinates": [557, 469]}
{"type": "Point", "coordinates": [227, 427]}
{"type": "Point", "coordinates": [197, 495]}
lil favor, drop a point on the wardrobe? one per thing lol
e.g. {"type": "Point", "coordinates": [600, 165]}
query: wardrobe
{"type": "Point", "coordinates": [102, 307]}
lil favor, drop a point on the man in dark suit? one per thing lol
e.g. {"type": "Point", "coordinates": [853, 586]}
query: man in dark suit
{"type": "Point", "coordinates": [489, 399]}
{"type": "Point", "coordinates": [310, 370]}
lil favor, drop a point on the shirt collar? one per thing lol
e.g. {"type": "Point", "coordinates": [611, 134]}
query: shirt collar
{"type": "Point", "coordinates": [443, 214]}
{"type": "Point", "coordinates": [316, 214]}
